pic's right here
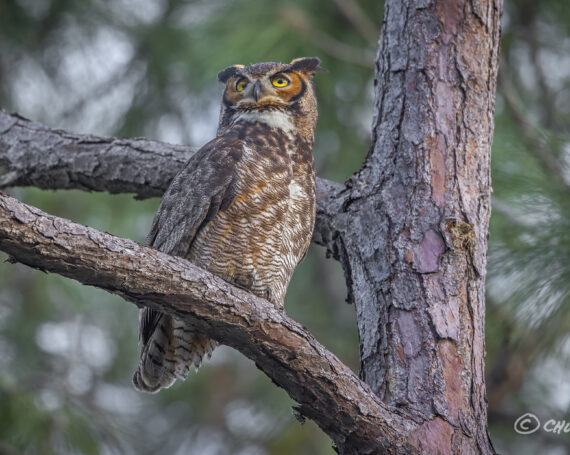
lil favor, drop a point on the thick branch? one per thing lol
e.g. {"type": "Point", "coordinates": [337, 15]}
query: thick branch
{"type": "Point", "coordinates": [32, 154]}
{"type": "Point", "coordinates": [328, 391]}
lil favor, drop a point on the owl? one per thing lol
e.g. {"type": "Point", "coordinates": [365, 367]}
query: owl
{"type": "Point", "coordinates": [242, 208]}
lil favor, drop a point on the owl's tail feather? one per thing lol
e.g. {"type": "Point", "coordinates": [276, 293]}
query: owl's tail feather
{"type": "Point", "coordinates": [169, 353]}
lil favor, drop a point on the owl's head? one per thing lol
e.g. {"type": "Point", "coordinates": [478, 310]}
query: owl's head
{"type": "Point", "coordinates": [278, 94]}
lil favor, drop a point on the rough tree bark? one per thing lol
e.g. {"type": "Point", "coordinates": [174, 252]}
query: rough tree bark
{"type": "Point", "coordinates": [410, 229]}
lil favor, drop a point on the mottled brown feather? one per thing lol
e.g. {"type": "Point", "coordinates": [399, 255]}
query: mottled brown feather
{"type": "Point", "coordinates": [243, 207]}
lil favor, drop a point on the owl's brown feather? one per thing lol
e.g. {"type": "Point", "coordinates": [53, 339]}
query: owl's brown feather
{"type": "Point", "coordinates": [243, 207]}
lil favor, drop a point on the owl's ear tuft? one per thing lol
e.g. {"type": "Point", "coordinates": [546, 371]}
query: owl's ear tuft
{"type": "Point", "coordinates": [308, 65]}
{"type": "Point", "coordinates": [228, 72]}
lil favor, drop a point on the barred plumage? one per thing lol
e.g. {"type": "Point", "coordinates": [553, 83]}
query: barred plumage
{"type": "Point", "coordinates": [243, 207]}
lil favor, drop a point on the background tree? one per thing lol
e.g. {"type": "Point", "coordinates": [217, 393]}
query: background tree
{"type": "Point", "coordinates": [114, 69]}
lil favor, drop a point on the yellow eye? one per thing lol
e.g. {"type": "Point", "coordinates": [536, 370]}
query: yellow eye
{"type": "Point", "coordinates": [241, 84]}
{"type": "Point", "coordinates": [279, 81]}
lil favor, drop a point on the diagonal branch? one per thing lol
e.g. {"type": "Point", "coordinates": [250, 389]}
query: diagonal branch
{"type": "Point", "coordinates": [352, 11]}
{"type": "Point", "coordinates": [327, 390]}
{"type": "Point", "coordinates": [301, 22]}
{"type": "Point", "coordinates": [535, 144]}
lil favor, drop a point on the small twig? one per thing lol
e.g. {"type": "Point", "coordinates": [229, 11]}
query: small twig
{"type": "Point", "coordinates": [299, 20]}
{"type": "Point", "coordinates": [357, 17]}
{"type": "Point", "coordinates": [536, 145]}
{"type": "Point", "coordinates": [547, 98]}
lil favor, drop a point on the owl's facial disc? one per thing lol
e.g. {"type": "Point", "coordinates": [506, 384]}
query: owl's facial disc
{"type": "Point", "coordinates": [277, 94]}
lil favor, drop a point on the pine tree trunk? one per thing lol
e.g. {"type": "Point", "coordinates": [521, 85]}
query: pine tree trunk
{"type": "Point", "coordinates": [412, 231]}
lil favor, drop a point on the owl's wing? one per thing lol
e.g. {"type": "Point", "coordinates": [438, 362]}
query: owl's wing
{"type": "Point", "coordinates": [195, 195]}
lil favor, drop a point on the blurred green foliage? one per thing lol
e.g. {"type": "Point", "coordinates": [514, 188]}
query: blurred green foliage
{"type": "Point", "coordinates": [148, 68]}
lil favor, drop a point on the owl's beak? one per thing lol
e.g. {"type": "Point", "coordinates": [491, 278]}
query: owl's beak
{"type": "Point", "coordinates": [256, 90]}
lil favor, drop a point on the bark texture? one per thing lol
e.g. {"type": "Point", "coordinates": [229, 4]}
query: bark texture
{"type": "Point", "coordinates": [410, 230]}
{"type": "Point", "coordinates": [35, 155]}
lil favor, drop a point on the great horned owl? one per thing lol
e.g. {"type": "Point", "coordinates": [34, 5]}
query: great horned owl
{"type": "Point", "coordinates": [242, 208]}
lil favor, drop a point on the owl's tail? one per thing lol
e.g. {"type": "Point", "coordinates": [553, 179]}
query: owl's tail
{"type": "Point", "coordinates": [169, 353]}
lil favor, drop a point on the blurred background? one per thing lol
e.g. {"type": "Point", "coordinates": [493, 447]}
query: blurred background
{"type": "Point", "coordinates": [148, 68]}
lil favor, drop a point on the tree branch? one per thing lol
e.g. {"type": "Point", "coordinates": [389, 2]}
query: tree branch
{"type": "Point", "coordinates": [32, 154]}
{"type": "Point", "coordinates": [327, 390]}
{"type": "Point", "coordinates": [35, 155]}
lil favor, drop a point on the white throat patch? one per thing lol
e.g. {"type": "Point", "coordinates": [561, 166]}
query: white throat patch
{"type": "Point", "coordinates": [273, 119]}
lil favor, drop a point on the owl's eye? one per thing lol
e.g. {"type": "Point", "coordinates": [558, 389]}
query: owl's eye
{"type": "Point", "coordinates": [279, 81]}
{"type": "Point", "coordinates": [241, 84]}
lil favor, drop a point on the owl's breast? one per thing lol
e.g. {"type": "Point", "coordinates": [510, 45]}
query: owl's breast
{"type": "Point", "coordinates": [259, 239]}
